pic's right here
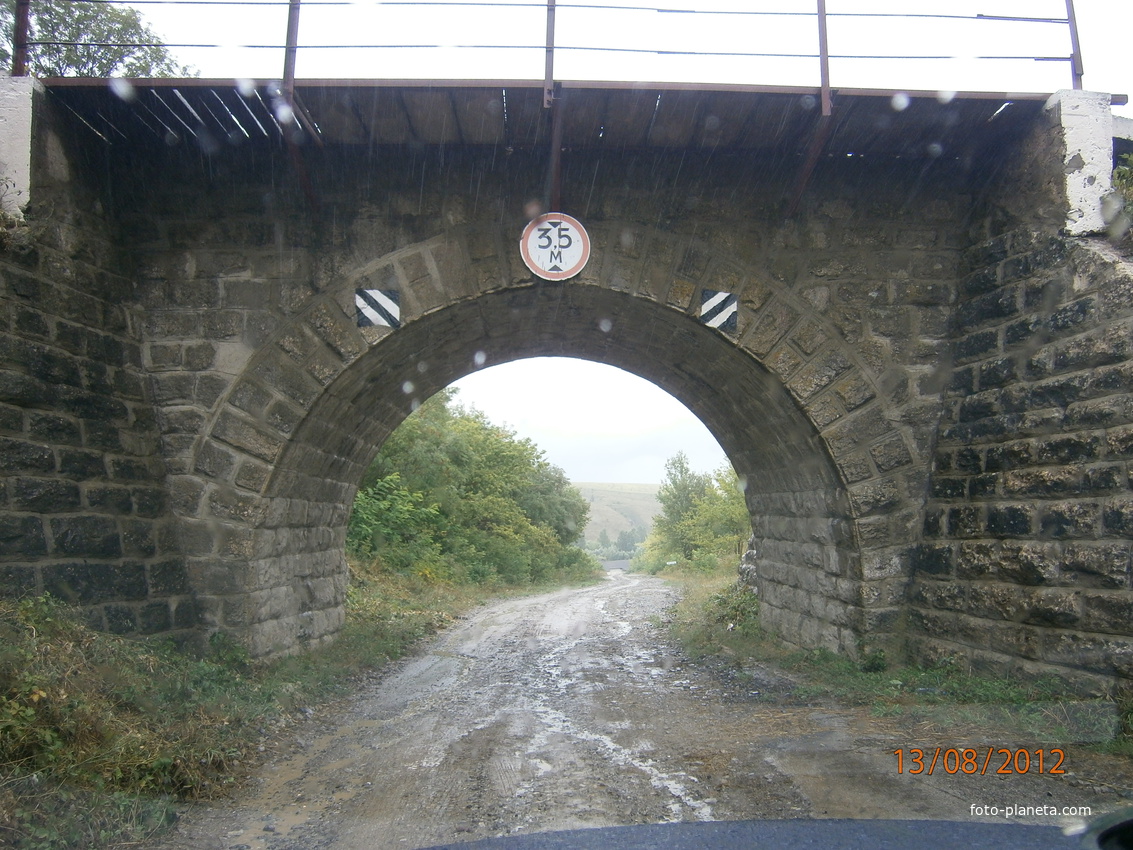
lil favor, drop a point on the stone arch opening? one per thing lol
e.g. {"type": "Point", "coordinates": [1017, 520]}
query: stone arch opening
{"type": "Point", "coordinates": [275, 475]}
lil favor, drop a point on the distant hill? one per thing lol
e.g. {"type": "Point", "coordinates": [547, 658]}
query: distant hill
{"type": "Point", "coordinates": [619, 507]}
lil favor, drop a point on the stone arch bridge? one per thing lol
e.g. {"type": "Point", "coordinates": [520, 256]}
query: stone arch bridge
{"type": "Point", "coordinates": [928, 387]}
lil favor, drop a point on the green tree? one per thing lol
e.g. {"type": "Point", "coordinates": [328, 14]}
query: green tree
{"type": "Point", "coordinates": [88, 39]}
{"type": "Point", "coordinates": [450, 494]}
{"type": "Point", "coordinates": [705, 522]}
{"type": "Point", "coordinates": [678, 495]}
{"type": "Point", "coordinates": [719, 522]}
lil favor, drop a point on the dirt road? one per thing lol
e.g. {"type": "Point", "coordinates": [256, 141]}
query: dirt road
{"type": "Point", "coordinates": [572, 710]}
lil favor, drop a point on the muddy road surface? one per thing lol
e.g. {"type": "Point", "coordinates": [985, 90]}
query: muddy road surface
{"type": "Point", "coordinates": [573, 709]}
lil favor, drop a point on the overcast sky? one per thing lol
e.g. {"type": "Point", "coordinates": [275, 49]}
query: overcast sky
{"type": "Point", "coordinates": [596, 422]}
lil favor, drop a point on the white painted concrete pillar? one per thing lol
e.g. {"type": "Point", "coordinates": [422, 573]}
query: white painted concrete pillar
{"type": "Point", "coordinates": [1087, 128]}
{"type": "Point", "coordinates": [16, 95]}
{"type": "Point", "coordinates": [1122, 127]}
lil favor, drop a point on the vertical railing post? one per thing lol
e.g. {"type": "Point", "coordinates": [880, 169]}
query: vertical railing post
{"type": "Point", "coordinates": [551, 101]}
{"type": "Point", "coordinates": [549, 70]}
{"type": "Point", "coordinates": [1075, 45]}
{"type": "Point", "coordinates": [290, 51]}
{"type": "Point", "coordinates": [824, 58]}
{"type": "Point", "coordinates": [20, 27]}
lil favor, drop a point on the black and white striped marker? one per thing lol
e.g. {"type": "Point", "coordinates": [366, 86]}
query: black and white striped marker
{"type": "Point", "coordinates": [378, 307]}
{"type": "Point", "coordinates": [718, 310]}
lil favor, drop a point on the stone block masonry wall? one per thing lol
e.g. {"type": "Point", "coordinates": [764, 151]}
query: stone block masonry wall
{"type": "Point", "coordinates": [250, 331]}
{"type": "Point", "coordinates": [1026, 560]}
{"type": "Point", "coordinates": [84, 514]}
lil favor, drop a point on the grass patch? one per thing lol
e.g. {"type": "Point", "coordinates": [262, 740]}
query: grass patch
{"type": "Point", "coordinates": [102, 736]}
{"type": "Point", "coordinates": [718, 616]}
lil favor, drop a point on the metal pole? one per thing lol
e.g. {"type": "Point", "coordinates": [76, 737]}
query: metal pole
{"type": "Point", "coordinates": [549, 73]}
{"type": "Point", "coordinates": [290, 51]}
{"type": "Point", "coordinates": [824, 58]}
{"type": "Point", "coordinates": [556, 192]}
{"type": "Point", "coordinates": [20, 38]}
{"type": "Point", "coordinates": [1075, 45]}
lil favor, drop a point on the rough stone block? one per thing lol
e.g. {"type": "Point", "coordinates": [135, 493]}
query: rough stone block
{"type": "Point", "coordinates": [1117, 518]}
{"type": "Point", "coordinates": [1070, 519]}
{"type": "Point", "coordinates": [168, 578]}
{"type": "Point", "coordinates": [1010, 520]}
{"type": "Point", "coordinates": [945, 487]}
{"type": "Point", "coordinates": [138, 538]}
{"type": "Point", "coordinates": [120, 620]}
{"type": "Point", "coordinates": [890, 453]}
{"type": "Point", "coordinates": [1056, 608]}
{"type": "Point", "coordinates": [965, 521]}
{"type": "Point", "coordinates": [21, 536]}
{"type": "Point", "coordinates": [819, 374]}
{"type": "Point", "coordinates": [209, 388]}
{"type": "Point", "coordinates": [976, 346]}
{"type": "Point", "coordinates": [857, 431]}
{"type": "Point", "coordinates": [45, 495]}
{"type": "Point", "coordinates": [88, 536]}
{"type": "Point", "coordinates": [1029, 563]}
{"type": "Point", "coordinates": [252, 476]}
{"type": "Point", "coordinates": [250, 397]}
{"type": "Point", "coordinates": [17, 456]}
{"type": "Point", "coordinates": [154, 617]}
{"type": "Point", "coordinates": [975, 560]}
{"type": "Point", "coordinates": [1043, 482]}
{"type": "Point", "coordinates": [777, 318]}
{"type": "Point", "coordinates": [245, 435]}
{"type": "Point", "coordinates": [186, 614]}
{"type": "Point", "coordinates": [932, 559]}
{"type": "Point", "coordinates": [80, 584]}
{"type": "Point", "coordinates": [1109, 613]}
{"type": "Point", "coordinates": [1069, 449]}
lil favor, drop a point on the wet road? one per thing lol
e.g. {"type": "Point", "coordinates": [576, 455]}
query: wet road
{"type": "Point", "coordinates": [571, 710]}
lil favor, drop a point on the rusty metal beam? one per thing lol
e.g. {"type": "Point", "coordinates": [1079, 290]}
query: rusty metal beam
{"type": "Point", "coordinates": [823, 129]}
{"type": "Point", "coordinates": [549, 69]}
{"type": "Point", "coordinates": [20, 38]}
{"type": "Point", "coordinates": [824, 59]}
{"type": "Point", "coordinates": [555, 169]}
{"type": "Point", "coordinates": [291, 50]}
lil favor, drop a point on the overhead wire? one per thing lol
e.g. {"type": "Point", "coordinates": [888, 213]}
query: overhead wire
{"type": "Point", "coordinates": [507, 4]}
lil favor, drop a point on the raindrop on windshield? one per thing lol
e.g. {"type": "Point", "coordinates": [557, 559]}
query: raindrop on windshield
{"type": "Point", "coordinates": [407, 387]}
{"type": "Point", "coordinates": [605, 325]}
{"type": "Point", "coordinates": [945, 96]}
{"type": "Point", "coordinates": [479, 358]}
{"type": "Point", "coordinates": [899, 102]}
{"type": "Point", "coordinates": [935, 149]}
{"type": "Point", "coordinates": [123, 88]}
{"type": "Point", "coordinates": [246, 87]}
{"type": "Point", "coordinates": [422, 367]}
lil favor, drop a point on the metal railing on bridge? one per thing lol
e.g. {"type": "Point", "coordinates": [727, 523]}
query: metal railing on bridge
{"type": "Point", "coordinates": [735, 42]}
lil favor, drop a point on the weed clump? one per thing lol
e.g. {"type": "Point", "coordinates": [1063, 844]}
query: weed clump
{"type": "Point", "coordinates": [101, 737]}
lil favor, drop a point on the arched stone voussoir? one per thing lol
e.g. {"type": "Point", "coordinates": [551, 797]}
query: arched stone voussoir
{"type": "Point", "coordinates": [460, 306]}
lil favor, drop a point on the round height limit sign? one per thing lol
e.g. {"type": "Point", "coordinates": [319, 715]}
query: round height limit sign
{"type": "Point", "coordinates": [555, 246]}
